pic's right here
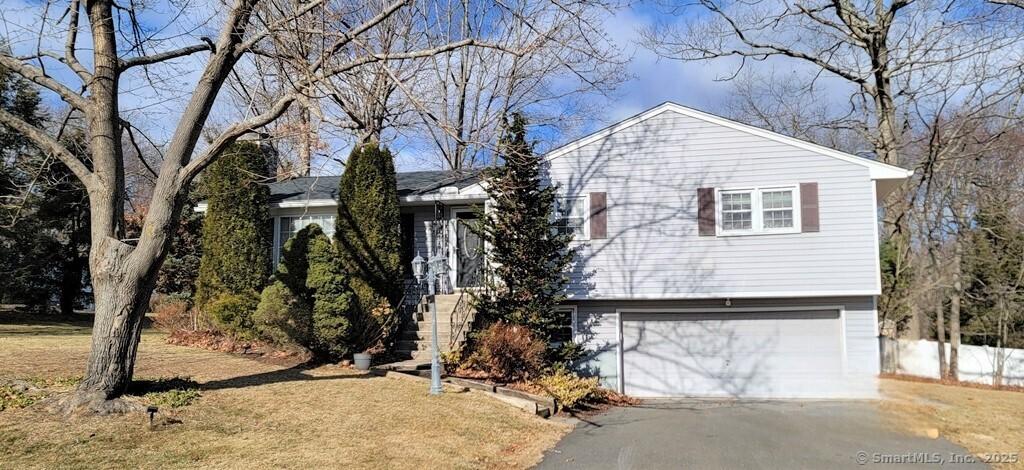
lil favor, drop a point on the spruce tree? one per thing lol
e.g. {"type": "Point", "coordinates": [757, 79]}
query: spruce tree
{"type": "Point", "coordinates": [994, 268]}
{"type": "Point", "coordinates": [368, 228]}
{"type": "Point", "coordinates": [529, 259]}
{"type": "Point", "coordinates": [236, 229]}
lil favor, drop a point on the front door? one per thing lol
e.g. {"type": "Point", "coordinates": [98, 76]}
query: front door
{"type": "Point", "coordinates": [469, 251]}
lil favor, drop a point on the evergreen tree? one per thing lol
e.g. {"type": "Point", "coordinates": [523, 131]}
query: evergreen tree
{"type": "Point", "coordinates": [368, 228]}
{"type": "Point", "coordinates": [333, 301]}
{"type": "Point", "coordinates": [236, 229]}
{"type": "Point", "coordinates": [994, 269]}
{"type": "Point", "coordinates": [180, 270]}
{"type": "Point", "coordinates": [44, 234]}
{"type": "Point", "coordinates": [528, 257]}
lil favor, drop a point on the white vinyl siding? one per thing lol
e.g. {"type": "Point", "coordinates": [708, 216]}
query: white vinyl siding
{"type": "Point", "coordinates": [651, 172]}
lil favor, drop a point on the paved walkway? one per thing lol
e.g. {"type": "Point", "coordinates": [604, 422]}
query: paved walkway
{"type": "Point", "coordinates": [747, 435]}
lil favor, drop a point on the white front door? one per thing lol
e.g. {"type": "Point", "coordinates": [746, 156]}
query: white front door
{"type": "Point", "coordinates": [770, 354]}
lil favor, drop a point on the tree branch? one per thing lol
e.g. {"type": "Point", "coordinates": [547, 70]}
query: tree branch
{"type": "Point", "coordinates": [37, 76]}
{"type": "Point", "coordinates": [47, 143]}
{"type": "Point", "coordinates": [1012, 3]}
{"type": "Point", "coordinates": [72, 41]}
{"type": "Point", "coordinates": [232, 133]}
{"type": "Point", "coordinates": [164, 56]}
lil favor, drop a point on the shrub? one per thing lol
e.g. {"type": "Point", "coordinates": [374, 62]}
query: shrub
{"type": "Point", "coordinates": [367, 228]}
{"type": "Point", "coordinates": [281, 317]}
{"type": "Point", "coordinates": [237, 233]}
{"type": "Point", "coordinates": [332, 301]}
{"type": "Point", "coordinates": [233, 313]}
{"type": "Point", "coordinates": [509, 352]}
{"type": "Point", "coordinates": [371, 332]}
{"type": "Point", "coordinates": [568, 388]}
{"type": "Point", "coordinates": [172, 313]}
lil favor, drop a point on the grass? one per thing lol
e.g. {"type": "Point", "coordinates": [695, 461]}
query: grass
{"type": "Point", "coordinates": [248, 414]}
{"type": "Point", "coordinates": [986, 422]}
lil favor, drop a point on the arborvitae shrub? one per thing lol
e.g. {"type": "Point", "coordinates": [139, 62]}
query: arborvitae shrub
{"type": "Point", "coordinates": [368, 230]}
{"type": "Point", "coordinates": [283, 318]}
{"type": "Point", "coordinates": [332, 300]}
{"type": "Point", "coordinates": [236, 232]}
{"type": "Point", "coordinates": [232, 313]}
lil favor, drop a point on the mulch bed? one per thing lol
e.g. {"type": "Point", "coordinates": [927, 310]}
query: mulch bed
{"type": "Point", "coordinates": [954, 383]}
{"type": "Point", "coordinates": [610, 399]}
{"type": "Point", "coordinates": [216, 341]}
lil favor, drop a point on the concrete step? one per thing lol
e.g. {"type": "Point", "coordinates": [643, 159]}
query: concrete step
{"type": "Point", "coordinates": [426, 326]}
{"type": "Point", "coordinates": [425, 335]}
{"type": "Point", "coordinates": [421, 345]}
{"type": "Point", "coordinates": [423, 356]}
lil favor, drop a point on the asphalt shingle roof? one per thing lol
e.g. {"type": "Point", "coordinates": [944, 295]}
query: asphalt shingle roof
{"type": "Point", "coordinates": [413, 183]}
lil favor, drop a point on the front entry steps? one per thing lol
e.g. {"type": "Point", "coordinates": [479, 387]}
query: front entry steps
{"type": "Point", "coordinates": [454, 315]}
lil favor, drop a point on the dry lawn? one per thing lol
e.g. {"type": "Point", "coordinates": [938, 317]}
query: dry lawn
{"type": "Point", "coordinates": [255, 415]}
{"type": "Point", "coordinates": [983, 421]}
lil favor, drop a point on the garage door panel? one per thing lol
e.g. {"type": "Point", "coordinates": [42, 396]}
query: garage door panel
{"type": "Point", "coordinates": [755, 354]}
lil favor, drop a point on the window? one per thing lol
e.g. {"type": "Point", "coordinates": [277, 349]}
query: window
{"type": "Point", "coordinates": [287, 227]}
{"type": "Point", "coordinates": [777, 207]}
{"type": "Point", "coordinates": [737, 213]}
{"type": "Point", "coordinates": [571, 216]}
{"type": "Point", "coordinates": [566, 326]}
{"type": "Point", "coordinates": [758, 210]}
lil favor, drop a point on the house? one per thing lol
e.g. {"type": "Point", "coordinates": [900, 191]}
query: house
{"type": "Point", "coordinates": [715, 258]}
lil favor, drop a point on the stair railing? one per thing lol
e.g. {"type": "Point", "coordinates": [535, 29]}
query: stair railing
{"type": "Point", "coordinates": [461, 317]}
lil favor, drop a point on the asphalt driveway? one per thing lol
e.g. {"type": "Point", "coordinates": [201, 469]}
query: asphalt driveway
{"type": "Point", "coordinates": [748, 435]}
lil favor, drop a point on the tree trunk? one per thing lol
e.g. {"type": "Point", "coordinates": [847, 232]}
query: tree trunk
{"type": "Point", "coordinates": [940, 336]}
{"type": "Point", "coordinates": [954, 310]}
{"type": "Point", "coordinates": [71, 280]}
{"type": "Point", "coordinates": [121, 301]}
{"type": "Point", "coordinates": [305, 142]}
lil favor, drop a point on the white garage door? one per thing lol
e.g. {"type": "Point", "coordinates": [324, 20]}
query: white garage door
{"type": "Point", "coordinates": [734, 354]}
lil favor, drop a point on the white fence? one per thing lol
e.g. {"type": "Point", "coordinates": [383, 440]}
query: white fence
{"type": "Point", "coordinates": [976, 363]}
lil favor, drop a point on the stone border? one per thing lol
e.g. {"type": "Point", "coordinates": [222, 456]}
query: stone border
{"type": "Point", "coordinates": [541, 406]}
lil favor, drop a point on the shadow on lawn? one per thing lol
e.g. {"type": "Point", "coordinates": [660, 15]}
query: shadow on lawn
{"type": "Point", "coordinates": [291, 374]}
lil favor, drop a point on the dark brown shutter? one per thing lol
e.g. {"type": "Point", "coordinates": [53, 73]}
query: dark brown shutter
{"type": "Point", "coordinates": [706, 212]}
{"type": "Point", "coordinates": [809, 207]}
{"type": "Point", "coordinates": [598, 215]}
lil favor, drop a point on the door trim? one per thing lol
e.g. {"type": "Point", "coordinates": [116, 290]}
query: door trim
{"type": "Point", "coordinates": [618, 326]}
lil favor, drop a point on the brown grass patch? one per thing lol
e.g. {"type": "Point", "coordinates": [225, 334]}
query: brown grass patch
{"type": "Point", "coordinates": [985, 421]}
{"type": "Point", "coordinates": [258, 415]}
{"type": "Point", "coordinates": [955, 383]}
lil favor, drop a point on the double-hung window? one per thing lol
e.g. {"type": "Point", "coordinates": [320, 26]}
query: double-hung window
{"type": "Point", "coordinates": [287, 227]}
{"type": "Point", "coordinates": [758, 210]}
{"type": "Point", "coordinates": [566, 330]}
{"type": "Point", "coordinates": [571, 216]}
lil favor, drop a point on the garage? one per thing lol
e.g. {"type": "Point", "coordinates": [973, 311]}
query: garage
{"type": "Point", "coordinates": [741, 354]}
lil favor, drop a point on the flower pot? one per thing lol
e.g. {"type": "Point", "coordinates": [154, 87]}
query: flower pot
{"type": "Point", "coordinates": [362, 360]}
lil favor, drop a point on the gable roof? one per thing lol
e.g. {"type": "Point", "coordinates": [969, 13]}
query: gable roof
{"type": "Point", "coordinates": [412, 183]}
{"type": "Point", "coordinates": [877, 170]}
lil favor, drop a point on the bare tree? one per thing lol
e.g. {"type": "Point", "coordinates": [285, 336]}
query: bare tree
{"type": "Point", "coordinates": [124, 271]}
{"type": "Point", "coordinates": [568, 64]}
